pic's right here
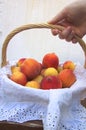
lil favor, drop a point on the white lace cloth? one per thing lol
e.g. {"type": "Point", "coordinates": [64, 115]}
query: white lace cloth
{"type": "Point", "coordinates": [58, 109]}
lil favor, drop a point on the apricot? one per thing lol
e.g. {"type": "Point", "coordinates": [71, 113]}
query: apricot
{"type": "Point", "coordinates": [33, 84]}
{"type": "Point", "coordinates": [31, 68]}
{"type": "Point", "coordinates": [50, 60]}
{"type": "Point", "coordinates": [69, 65]}
{"type": "Point", "coordinates": [38, 78]}
{"type": "Point", "coordinates": [67, 77]}
{"type": "Point", "coordinates": [18, 77]}
{"type": "Point", "coordinates": [51, 82]}
{"type": "Point", "coordinates": [51, 71]}
{"type": "Point", "coordinates": [15, 68]}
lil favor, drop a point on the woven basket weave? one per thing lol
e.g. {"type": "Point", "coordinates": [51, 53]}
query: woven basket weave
{"type": "Point", "coordinates": [34, 125]}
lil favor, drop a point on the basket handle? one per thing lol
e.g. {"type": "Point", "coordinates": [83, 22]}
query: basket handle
{"type": "Point", "coordinates": [31, 26]}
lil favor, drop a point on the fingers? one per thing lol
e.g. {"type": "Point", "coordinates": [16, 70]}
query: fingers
{"type": "Point", "coordinates": [74, 40]}
{"type": "Point", "coordinates": [68, 35]}
{"type": "Point", "coordinates": [55, 31]}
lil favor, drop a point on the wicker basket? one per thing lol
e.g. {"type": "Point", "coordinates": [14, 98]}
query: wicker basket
{"type": "Point", "coordinates": [31, 125]}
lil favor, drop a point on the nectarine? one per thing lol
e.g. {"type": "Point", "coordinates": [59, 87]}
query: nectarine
{"type": "Point", "coordinates": [33, 84]}
{"type": "Point", "coordinates": [20, 61]}
{"type": "Point", "coordinates": [51, 71]}
{"type": "Point", "coordinates": [51, 82]}
{"type": "Point", "coordinates": [69, 65]}
{"type": "Point", "coordinates": [67, 77]}
{"type": "Point", "coordinates": [38, 78]}
{"type": "Point", "coordinates": [31, 68]}
{"type": "Point", "coordinates": [18, 77]}
{"type": "Point", "coordinates": [50, 60]}
{"type": "Point", "coordinates": [15, 68]}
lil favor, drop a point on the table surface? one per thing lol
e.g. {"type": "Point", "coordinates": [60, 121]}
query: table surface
{"type": "Point", "coordinates": [30, 125]}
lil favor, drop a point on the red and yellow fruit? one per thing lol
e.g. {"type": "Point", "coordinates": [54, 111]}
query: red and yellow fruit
{"type": "Point", "coordinates": [20, 61]}
{"type": "Point", "coordinates": [50, 60]}
{"type": "Point", "coordinates": [18, 77]}
{"type": "Point", "coordinates": [31, 68]}
{"type": "Point", "coordinates": [69, 65]}
{"type": "Point", "coordinates": [51, 82]}
{"type": "Point", "coordinates": [67, 77]}
{"type": "Point", "coordinates": [51, 71]}
{"type": "Point", "coordinates": [48, 74]}
{"type": "Point", "coordinates": [33, 84]}
{"type": "Point", "coordinates": [38, 78]}
{"type": "Point", "coordinates": [15, 68]}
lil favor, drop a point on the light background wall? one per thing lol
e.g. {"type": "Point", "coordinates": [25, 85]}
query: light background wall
{"type": "Point", "coordinates": [34, 43]}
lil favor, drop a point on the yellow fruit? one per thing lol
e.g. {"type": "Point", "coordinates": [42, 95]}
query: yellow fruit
{"type": "Point", "coordinates": [51, 71]}
{"type": "Point", "coordinates": [15, 68]}
{"type": "Point", "coordinates": [18, 77]}
{"type": "Point", "coordinates": [38, 78]}
{"type": "Point", "coordinates": [69, 65]}
{"type": "Point", "coordinates": [33, 84]}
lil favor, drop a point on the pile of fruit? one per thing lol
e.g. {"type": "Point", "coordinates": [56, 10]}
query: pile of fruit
{"type": "Point", "coordinates": [49, 74]}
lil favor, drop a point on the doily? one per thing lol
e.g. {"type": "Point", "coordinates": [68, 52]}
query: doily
{"type": "Point", "coordinates": [58, 109]}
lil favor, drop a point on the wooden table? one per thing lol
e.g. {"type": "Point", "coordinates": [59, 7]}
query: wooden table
{"type": "Point", "coordinates": [31, 125]}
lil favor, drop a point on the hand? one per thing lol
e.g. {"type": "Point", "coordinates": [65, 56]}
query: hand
{"type": "Point", "coordinates": [73, 18]}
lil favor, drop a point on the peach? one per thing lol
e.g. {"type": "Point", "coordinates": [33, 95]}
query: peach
{"type": "Point", "coordinates": [33, 84]}
{"type": "Point", "coordinates": [31, 68]}
{"type": "Point", "coordinates": [67, 77]}
{"type": "Point", "coordinates": [51, 82]}
{"type": "Point", "coordinates": [69, 65]}
{"type": "Point", "coordinates": [18, 77]}
{"type": "Point", "coordinates": [38, 78]}
{"type": "Point", "coordinates": [15, 68]}
{"type": "Point", "coordinates": [51, 71]}
{"type": "Point", "coordinates": [20, 61]}
{"type": "Point", "coordinates": [50, 60]}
